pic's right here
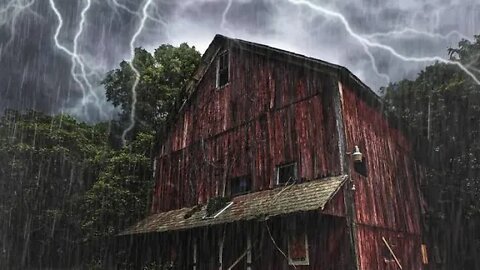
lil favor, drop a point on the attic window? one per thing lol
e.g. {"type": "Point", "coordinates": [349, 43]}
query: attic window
{"type": "Point", "coordinates": [222, 69]}
{"type": "Point", "coordinates": [286, 173]}
{"type": "Point", "coordinates": [240, 185]}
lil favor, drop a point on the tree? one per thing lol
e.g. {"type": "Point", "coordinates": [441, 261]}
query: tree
{"type": "Point", "coordinates": [163, 76]}
{"type": "Point", "coordinates": [443, 105]}
{"type": "Point", "coordinates": [46, 163]}
{"type": "Point", "coordinates": [468, 53]}
{"type": "Point", "coordinates": [120, 196]}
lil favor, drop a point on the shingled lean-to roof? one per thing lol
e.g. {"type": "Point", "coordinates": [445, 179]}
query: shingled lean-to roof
{"type": "Point", "coordinates": [308, 196]}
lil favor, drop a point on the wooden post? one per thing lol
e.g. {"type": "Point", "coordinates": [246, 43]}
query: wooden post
{"type": "Point", "coordinates": [220, 251]}
{"type": "Point", "coordinates": [424, 254]}
{"type": "Point", "coordinates": [249, 252]}
{"type": "Point", "coordinates": [195, 255]}
{"type": "Point", "coordinates": [348, 195]}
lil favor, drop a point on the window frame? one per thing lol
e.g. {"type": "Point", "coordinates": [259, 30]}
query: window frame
{"type": "Point", "coordinates": [279, 167]}
{"type": "Point", "coordinates": [294, 233]}
{"type": "Point", "coordinates": [217, 71]}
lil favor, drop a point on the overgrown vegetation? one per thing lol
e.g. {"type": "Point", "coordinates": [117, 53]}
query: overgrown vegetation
{"type": "Point", "coordinates": [443, 104]}
{"type": "Point", "coordinates": [163, 75]}
{"type": "Point", "coordinates": [46, 165]}
{"type": "Point", "coordinates": [67, 188]}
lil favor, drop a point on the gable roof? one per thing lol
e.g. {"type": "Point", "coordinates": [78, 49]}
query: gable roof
{"type": "Point", "coordinates": [342, 73]}
{"type": "Point", "coordinates": [220, 41]}
{"type": "Point", "coordinates": [345, 75]}
{"type": "Point", "coordinates": [308, 196]}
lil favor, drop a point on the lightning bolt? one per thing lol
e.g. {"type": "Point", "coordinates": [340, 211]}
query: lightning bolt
{"type": "Point", "coordinates": [223, 24]}
{"type": "Point", "coordinates": [367, 43]}
{"type": "Point", "coordinates": [224, 15]}
{"type": "Point", "coordinates": [413, 31]}
{"type": "Point", "coordinates": [133, 12]}
{"type": "Point", "coordinates": [9, 15]}
{"type": "Point", "coordinates": [82, 78]}
{"type": "Point", "coordinates": [12, 9]}
{"type": "Point", "coordinates": [133, 91]}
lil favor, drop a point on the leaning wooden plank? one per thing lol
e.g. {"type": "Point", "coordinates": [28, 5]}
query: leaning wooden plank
{"type": "Point", "coordinates": [391, 252]}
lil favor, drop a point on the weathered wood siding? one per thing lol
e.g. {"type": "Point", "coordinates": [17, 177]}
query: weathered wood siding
{"type": "Point", "coordinates": [375, 255]}
{"type": "Point", "coordinates": [327, 240]}
{"type": "Point", "coordinates": [327, 244]}
{"type": "Point", "coordinates": [271, 112]}
{"type": "Point", "coordinates": [387, 201]}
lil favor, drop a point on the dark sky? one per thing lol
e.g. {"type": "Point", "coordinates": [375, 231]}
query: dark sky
{"type": "Point", "coordinates": [36, 73]}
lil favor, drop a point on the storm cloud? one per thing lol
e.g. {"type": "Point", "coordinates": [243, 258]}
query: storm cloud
{"type": "Point", "coordinates": [35, 73]}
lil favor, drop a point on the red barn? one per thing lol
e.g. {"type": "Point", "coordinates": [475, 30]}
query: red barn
{"type": "Point", "coordinates": [281, 161]}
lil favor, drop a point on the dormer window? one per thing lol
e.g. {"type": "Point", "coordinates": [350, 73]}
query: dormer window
{"type": "Point", "coordinates": [286, 173]}
{"type": "Point", "coordinates": [223, 65]}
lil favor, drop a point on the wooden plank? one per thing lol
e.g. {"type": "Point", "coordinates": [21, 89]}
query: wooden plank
{"type": "Point", "coordinates": [391, 252]}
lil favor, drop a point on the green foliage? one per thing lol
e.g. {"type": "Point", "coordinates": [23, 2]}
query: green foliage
{"type": "Point", "coordinates": [65, 188]}
{"type": "Point", "coordinates": [163, 75]}
{"type": "Point", "coordinates": [45, 165]}
{"type": "Point", "coordinates": [468, 53]}
{"type": "Point", "coordinates": [120, 195]}
{"type": "Point", "coordinates": [443, 105]}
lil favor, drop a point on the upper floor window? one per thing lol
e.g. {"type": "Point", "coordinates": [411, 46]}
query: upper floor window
{"type": "Point", "coordinates": [222, 69]}
{"type": "Point", "coordinates": [240, 185]}
{"type": "Point", "coordinates": [286, 173]}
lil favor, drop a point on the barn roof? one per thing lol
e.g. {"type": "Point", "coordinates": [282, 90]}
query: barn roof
{"type": "Point", "coordinates": [307, 196]}
{"type": "Point", "coordinates": [342, 73]}
{"type": "Point", "coordinates": [219, 41]}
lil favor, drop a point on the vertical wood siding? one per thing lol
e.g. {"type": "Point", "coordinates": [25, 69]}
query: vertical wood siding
{"type": "Point", "coordinates": [387, 201]}
{"type": "Point", "coordinates": [270, 113]}
{"type": "Point", "coordinates": [326, 250]}
{"type": "Point", "coordinates": [375, 255]}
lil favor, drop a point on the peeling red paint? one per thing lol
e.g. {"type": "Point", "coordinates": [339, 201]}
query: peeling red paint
{"type": "Point", "coordinates": [280, 108]}
{"type": "Point", "coordinates": [387, 201]}
{"type": "Point", "coordinates": [270, 113]}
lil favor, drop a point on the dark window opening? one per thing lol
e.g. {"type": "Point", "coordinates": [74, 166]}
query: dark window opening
{"type": "Point", "coordinates": [240, 185]}
{"type": "Point", "coordinates": [287, 173]}
{"type": "Point", "coordinates": [297, 243]}
{"type": "Point", "coordinates": [298, 248]}
{"type": "Point", "coordinates": [361, 167]}
{"type": "Point", "coordinates": [222, 69]}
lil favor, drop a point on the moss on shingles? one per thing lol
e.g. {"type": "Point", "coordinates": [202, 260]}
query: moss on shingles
{"type": "Point", "coordinates": [215, 204]}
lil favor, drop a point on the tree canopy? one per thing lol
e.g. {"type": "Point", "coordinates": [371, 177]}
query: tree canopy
{"type": "Point", "coordinates": [66, 188]}
{"type": "Point", "coordinates": [443, 105]}
{"type": "Point", "coordinates": [163, 75]}
{"type": "Point", "coordinates": [46, 163]}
